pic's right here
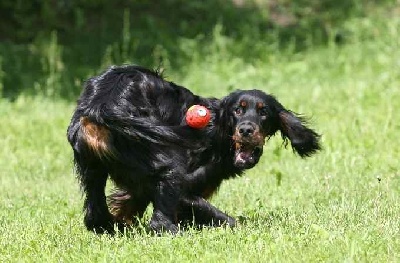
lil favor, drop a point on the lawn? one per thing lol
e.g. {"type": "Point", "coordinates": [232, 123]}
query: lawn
{"type": "Point", "coordinates": [342, 205]}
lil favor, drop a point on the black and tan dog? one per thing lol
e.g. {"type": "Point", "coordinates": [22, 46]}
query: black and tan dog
{"type": "Point", "coordinates": [129, 125]}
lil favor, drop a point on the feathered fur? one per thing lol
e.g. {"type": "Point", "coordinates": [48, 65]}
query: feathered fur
{"type": "Point", "coordinates": [129, 125]}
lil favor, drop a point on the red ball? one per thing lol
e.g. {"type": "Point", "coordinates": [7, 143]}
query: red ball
{"type": "Point", "coordinates": [198, 116]}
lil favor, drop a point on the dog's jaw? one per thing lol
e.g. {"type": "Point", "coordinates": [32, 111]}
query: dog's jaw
{"type": "Point", "coordinates": [246, 156]}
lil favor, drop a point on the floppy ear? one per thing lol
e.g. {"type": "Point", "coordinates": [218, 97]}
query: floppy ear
{"type": "Point", "coordinates": [226, 120]}
{"type": "Point", "coordinates": [304, 140]}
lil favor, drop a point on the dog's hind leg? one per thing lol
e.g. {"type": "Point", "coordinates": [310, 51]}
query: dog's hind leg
{"type": "Point", "coordinates": [126, 207]}
{"type": "Point", "coordinates": [93, 178]}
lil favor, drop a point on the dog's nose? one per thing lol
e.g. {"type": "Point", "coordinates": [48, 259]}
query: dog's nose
{"type": "Point", "coordinates": [246, 129]}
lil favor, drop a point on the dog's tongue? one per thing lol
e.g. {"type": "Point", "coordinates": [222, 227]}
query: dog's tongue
{"type": "Point", "coordinates": [244, 156]}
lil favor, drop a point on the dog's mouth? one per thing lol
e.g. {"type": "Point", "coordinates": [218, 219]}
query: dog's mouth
{"type": "Point", "coordinates": [247, 155]}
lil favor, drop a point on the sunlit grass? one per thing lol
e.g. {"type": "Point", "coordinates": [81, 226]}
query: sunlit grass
{"type": "Point", "coordinates": [341, 205]}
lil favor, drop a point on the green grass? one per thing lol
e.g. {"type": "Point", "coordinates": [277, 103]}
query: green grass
{"type": "Point", "coordinates": [343, 205]}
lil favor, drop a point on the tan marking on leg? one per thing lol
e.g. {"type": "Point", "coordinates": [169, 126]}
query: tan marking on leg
{"type": "Point", "coordinates": [97, 137]}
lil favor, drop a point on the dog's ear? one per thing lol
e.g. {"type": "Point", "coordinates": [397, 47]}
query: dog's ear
{"type": "Point", "coordinates": [304, 140]}
{"type": "Point", "coordinates": [226, 120]}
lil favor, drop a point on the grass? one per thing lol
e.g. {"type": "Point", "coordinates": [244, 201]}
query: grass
{"type": "Point", "coordinates": [341, 205]}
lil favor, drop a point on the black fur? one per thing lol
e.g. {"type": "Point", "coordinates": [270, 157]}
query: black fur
{"type": "Point", "coordinates": [129, 125]}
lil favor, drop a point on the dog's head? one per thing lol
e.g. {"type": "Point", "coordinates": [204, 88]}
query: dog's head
{"type": "Point", "coordinates": [252, 116]}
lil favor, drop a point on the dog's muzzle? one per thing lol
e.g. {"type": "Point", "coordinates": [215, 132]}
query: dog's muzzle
{"type": "Point", "coordinates": [249, 142]}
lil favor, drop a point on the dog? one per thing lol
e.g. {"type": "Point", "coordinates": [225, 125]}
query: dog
{"type": "Point", "coordinates": [129, 125]}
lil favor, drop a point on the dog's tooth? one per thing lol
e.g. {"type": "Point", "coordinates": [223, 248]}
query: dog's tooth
{"type": "Point", "coordinates": [238, 145]}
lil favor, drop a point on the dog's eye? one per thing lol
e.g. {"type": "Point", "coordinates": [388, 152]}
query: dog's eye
{"type": "Point", "coordinates": [238, 110]}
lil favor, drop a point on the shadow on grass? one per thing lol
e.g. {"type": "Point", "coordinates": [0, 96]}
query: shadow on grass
{"type": "Point", "coordinates": [50, 47]}
{"type": "Point", "coordinates": [279, 216]}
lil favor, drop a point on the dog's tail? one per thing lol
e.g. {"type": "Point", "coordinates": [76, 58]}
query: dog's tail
{"type": "Point", "coordinates": [141, 129]}
{"type": "Point", "coordinates": [100, 129]}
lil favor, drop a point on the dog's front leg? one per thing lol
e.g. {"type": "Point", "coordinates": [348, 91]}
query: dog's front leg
{"type": "Point", "coordinates": [200, 211]}
{"type": "Point", "coordinates": [165, 204]}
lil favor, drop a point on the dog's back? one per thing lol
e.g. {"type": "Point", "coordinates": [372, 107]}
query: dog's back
{"type": "Point", "coordinates": [129, 125]}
